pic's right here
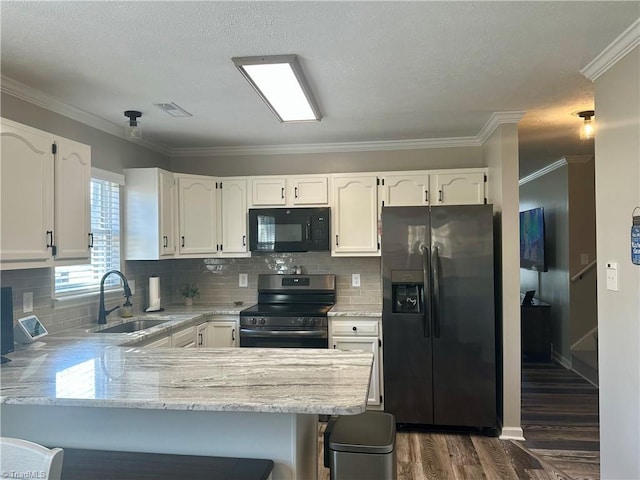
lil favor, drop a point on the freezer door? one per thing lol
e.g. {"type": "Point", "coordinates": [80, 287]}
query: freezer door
{"type": "Point", "coordinates": [405, 319]}
{"type": "Point", "coordinates": [464, 350]}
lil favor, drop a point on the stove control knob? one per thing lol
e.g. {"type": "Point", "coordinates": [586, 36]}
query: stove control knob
{"type": "Point", "coordinates": [253, 321]}
{"type": "Point", "coordinates": [302, 321]}
{"type": "Point", "coordinates": [312, 321]}
{"type": "Point", "coordinates": [262, 321]}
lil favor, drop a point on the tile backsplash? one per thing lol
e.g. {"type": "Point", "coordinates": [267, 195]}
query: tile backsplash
{"type": "Point", "coordinates": [217, 279]}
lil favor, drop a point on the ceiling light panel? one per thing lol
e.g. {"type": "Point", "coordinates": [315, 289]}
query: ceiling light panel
{"type": "Point", "coordinates": [281, 84]}
{"type": "Point", "coordinates": [173, 109]}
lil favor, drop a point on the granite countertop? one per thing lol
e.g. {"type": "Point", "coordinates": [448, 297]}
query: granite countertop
{"type": "Point", "coordinates": [83, 368]}
{"type": "Point", "coordinates": [340, 310]}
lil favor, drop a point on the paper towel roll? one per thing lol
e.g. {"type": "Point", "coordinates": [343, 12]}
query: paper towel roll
{"type": "Point", "coordinates": [154, 294]}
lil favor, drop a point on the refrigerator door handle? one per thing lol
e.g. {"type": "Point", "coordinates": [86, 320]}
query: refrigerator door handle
{"type": "Point", "coordinates": [426, 272]}
{"type": "Point", "coordinates": [435, 265]}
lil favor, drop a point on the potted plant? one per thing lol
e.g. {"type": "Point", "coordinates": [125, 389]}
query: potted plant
{"type": "Point", "coordinates": [189, 291]}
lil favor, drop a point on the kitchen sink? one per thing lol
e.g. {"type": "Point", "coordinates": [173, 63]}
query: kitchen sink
{"type": "Point", "coordinates": [134, 326]}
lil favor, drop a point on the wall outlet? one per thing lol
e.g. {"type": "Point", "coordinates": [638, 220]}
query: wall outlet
{"type": "Point", "coordinates": [355, 279]}
{"type": "Point", "coordinates": [243, 280]}
{"type": "Point", "coordinates": [27, 302]}
{"type": "Point", "coordinates": [584, 259]}
{"type": "Point", "coordinates": [612, 276]}
{"type": "Point", "coordinates": [132, 286]}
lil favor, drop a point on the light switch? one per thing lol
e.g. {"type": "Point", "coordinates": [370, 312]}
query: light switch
{"type": "Point", "coordinates": [243, 280]}
{"type": "Point", "coordinates": [355, 280]}
{"type": "Point", "coordinates": [612, 276]}
{"type": "Point", "coordinates": [27, 302]}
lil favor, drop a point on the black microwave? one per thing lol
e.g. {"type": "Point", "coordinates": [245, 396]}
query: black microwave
{"type": "Point", "coordinates": [289, 229]}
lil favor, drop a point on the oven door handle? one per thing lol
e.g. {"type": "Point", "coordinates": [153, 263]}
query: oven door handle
{"type": "Point", "coordinates": [246, 332]}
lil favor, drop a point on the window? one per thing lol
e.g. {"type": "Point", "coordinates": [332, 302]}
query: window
{"type": "Point", "coordinates": [105, 254]}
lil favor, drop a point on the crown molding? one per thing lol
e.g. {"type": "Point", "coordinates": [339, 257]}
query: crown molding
{"type": "Point", "coordinates": [327, 147]}
{"type": "Point", "coordinates": [36, 97]}
{"type": "Point", "coordinates": [626, 41]}
{"type": "Point", "coordinates": [543, 171]}
{"type": "Point", "coordinates": [40, 99]}
{"type": "Point", "coordinates": [497, 119]}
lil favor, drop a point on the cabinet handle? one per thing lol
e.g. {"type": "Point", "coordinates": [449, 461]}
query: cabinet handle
{"type": "Point", "coordinates": [334, 347]}
{"type": "Point", "coordinates": [54, 249]}
{"type": "Point", "coordinates": [354, 328]}
{"type": "Point", "coordinates": [233, 334]}
{"type": "Point", "coordinates": [282, 193]}
{"type": "Point", "coordinates": [440, 196]}
{"type": "Point", "coordinates": [244, 240]}
{"type": "Point", "coordinates": [90, 240]}
{"type": "Point", "coordinates": [337, 241]}
{"type": "Point", "coordinates": [200, 339]}
{"type": "Point", "coordinates": [426, 196]}
{"type": "Point", "coordinates": [295, 190]}
{"type": "Point", "coordinates": [182, 241]}
{"type": "Point", "coordinates": [166, 241]}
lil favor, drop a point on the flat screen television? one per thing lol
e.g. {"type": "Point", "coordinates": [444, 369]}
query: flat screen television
{"type": "Point", "coordinates": [532, 240]}
{"type": "Point", "coordinates": [6, 322]}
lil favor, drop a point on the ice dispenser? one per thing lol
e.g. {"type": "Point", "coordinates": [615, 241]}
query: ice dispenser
{"type": "Point", "coordinates": [407, 288]}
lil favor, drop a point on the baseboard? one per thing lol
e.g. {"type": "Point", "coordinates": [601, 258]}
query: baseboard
{"type": "Point", "coordinates": [512, 433]}
{"type": "Point", "coordinates": [564, 361]}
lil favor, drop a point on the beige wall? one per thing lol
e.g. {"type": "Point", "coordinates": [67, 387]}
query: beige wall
{"type": "Point", "coordinates": [617, 152]}
{"type": "Point", "coordinates": [454, 157]}
{"type": "Point", "coordinates": [500, 155]}
{"type": "Point", "coordinates": [107, 151]}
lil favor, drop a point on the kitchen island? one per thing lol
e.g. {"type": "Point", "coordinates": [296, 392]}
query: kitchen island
{"type": "Point", "coordinates": [235, 402]}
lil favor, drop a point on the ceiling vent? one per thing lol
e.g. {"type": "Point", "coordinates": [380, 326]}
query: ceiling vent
{"type": "Point", "coordinates": [173, 109]}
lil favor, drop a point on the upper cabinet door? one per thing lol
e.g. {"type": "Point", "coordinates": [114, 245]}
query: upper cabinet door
{"type": "Point", "coordinates": [310, 190]}
{"type": "Point", "coordinates": [355, 215]}
{"type": "Point", "coordinates": [234, 216]}
{"type": "Point", "coordinates": [464, 188]}
{"type": "Point", "coordinates": [197, 213]}
{"type": "Point", "coordinates": [167, 213]}
{"type": "Point", "coordinates": [72, 200]}
{"type": "Point", "coordinates": [26, 194]}
{"type": "Point", "coordinates": [268, 191]}
{"type": "Point", "coordinates": [406, 189]}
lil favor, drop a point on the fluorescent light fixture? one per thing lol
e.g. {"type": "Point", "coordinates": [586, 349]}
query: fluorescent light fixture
{"type": "Point", "coordinates": [279, 81]}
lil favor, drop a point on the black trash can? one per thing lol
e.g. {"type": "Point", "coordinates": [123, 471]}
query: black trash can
{"type": "Point", "coordinates": [363, 447]}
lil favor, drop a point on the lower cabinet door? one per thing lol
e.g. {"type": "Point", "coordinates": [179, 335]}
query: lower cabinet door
{"type": "Point", "coordinates": [222, 334]}
{"type": "Point", "coordinates": [366, 344]}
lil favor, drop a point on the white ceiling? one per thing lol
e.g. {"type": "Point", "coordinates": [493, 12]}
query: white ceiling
{"type": "Point", "coordinates": [380, 71]}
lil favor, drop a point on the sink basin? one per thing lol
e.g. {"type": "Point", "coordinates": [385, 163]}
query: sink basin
{"type": "Point", "coordinates": [133, 326]}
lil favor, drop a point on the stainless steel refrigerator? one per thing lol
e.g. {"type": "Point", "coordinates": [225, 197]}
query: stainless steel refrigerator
{"type": "Point", "coordinates": [439, 328]}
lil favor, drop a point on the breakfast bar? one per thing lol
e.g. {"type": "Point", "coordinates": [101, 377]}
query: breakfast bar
{"type": "Point", "coordinates": [246, 403]}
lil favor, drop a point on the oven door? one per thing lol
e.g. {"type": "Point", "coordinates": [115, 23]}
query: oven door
{"type": "Point", "coordinates": [270, 337]}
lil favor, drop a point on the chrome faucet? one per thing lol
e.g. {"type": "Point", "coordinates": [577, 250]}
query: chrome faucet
{"type": "Point", "coordinates": [103, 312]}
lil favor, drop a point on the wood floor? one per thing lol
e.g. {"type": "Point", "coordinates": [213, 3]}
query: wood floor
{"type": "Point", "coordinates": [560, 420]}
{"type": "Point", "coordinates": [455, 456]}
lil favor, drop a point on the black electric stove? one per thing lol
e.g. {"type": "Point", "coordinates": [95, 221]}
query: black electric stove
{"type": "Point", "coordinates": [291, 312]}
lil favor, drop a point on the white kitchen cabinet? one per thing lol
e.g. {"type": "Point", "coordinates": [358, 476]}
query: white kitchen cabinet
{"type": "Point", "coordinates": [149, 214]}
{"type": "Point", "coordinates": [354, 216]}
{"type": "Point", "coordinates": [404, 189]}
{"type": "Point", "coordinates": [72, 216]}
{"type": "Point", "coordinates": [289, 191]}
{"type": "Point", "coordinates": [158, 343]}
{"type": "Point", "coordinates": [361, 334]}
{"type": "Point", "coordinates": [201, 335]}
{"type": "Point", "coordinates": [461, 187]}
{"type": "Point", "coordinates": [233, 215]}
{"type": "Point", "coordinates": [197, 206]}
{"type": "Point", "coordinates": [222, 331]}
{"type": "Point", "coordinates": [309, 190]}
{"type": "Point", "coordinates": [268, 191]}
{"type": "Point", "coordinates": [45, 200]}
{"type": "Point", "coordinates": [184, 338]}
